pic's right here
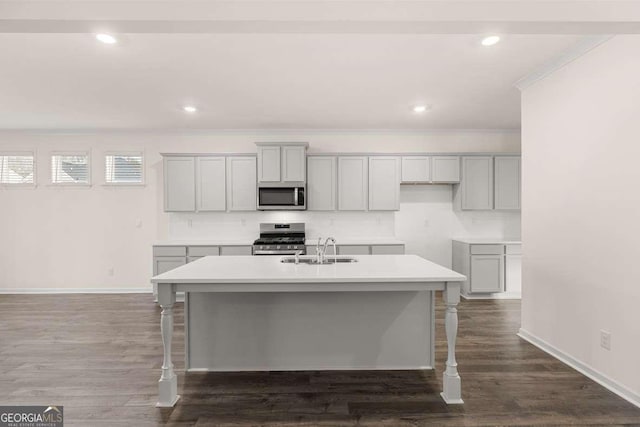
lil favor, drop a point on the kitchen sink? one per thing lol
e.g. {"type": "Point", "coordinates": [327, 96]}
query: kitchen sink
{"type": "Point", "coordinates": [314, 260]}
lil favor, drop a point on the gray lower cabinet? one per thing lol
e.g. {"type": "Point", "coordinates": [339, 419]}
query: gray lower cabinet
{"type": "Point", "coordinates": [162, 264]}
{"type": "Point", "coordinates": [354, 250]}
{"type": "Point", "coordinates": [168, 257]}
{"type": "Point", "coordinates": [387, 250]}
{"type": "Point", "coordinates": [487, 273]}
{"type": "Point", "coordinates": [235, 250]}
{"type": "Point", "coordinates": [200, 251]}
{"type": "Point", "coordinates": [490, 268]}
{"type": "Point", "coordinates": [361, 249]}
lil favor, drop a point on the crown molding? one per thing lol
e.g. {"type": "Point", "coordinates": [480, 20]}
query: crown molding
{"type": "Point", "coordinates": [584, 46]}
{"type": "Point", "coordinates": [259, 132]}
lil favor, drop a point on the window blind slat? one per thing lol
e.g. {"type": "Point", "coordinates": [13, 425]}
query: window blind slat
{"type": "Point", "coordinates": [17, 169]}
{"type": "Point", "coordinates": [123, 169]}
{"type": "Point", "coordinates": [70, 169]}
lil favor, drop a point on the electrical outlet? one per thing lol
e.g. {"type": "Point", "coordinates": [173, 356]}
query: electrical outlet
{"type": "Point", "coordinates": [605, 339]}
{"type": "Point", "coordinates": [110, 271]}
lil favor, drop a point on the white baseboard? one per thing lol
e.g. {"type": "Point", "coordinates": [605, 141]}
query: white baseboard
{"type": "Point", "coordinates": [311, 368]}
{"type": "Point", "coordinates": [502, 295]}
{"type": "Point", "coordinates": [608, 383]}
{"type": "Point", "coordinates": [146, 290]}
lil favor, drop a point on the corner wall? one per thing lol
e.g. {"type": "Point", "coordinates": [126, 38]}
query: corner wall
{"type": "Point", "coordinates": [581, 211]}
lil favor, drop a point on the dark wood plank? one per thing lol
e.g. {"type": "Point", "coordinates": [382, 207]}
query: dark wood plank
{"type": "Point", "coordinates": [100, 357]}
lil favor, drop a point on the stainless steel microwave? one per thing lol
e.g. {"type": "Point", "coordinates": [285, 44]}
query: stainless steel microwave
{"type": "Point", "coordinates": [281, 198]}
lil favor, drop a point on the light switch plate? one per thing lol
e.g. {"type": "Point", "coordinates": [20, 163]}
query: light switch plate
{"type": "Point", "coordinates": [605, 339]}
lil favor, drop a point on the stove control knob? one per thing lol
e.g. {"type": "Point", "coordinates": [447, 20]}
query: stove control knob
{"type": "Point", "coordinates": [278, 247]}
{"type": "Point", "coordinates": [289, 247]}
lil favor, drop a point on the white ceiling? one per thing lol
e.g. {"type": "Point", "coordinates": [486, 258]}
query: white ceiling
{"type": "Point", "coordinates": [266, 81]}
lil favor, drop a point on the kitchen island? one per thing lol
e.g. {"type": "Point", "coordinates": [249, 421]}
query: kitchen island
{"type": "Point", "coordinates": [376, 313]}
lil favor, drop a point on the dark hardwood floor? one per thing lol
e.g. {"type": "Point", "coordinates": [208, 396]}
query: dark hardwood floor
{"type": "Point", "coordinates": [100, 357]}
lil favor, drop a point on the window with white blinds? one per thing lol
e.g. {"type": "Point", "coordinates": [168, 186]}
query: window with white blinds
{"type": "Point", "coordinates": [70, 168]}
{"type": "Point", "coordinates": [124, 168]}
{"type": "Point", "coordinates": [17, 168]}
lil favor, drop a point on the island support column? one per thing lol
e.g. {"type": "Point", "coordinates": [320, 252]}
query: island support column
{"type": "Point", "coordinates": [168, 383]}
{"type": "Point", "coordinates": [451, 385]}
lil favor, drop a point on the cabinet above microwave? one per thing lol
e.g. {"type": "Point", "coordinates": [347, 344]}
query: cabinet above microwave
{"type": "Point", "coordinates": [280, 162]}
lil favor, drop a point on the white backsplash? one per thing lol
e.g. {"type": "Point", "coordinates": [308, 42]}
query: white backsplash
{"type": "Point", "coordinates": [426, 222]}
{"type": "Point", "coordinates": [246, 225]}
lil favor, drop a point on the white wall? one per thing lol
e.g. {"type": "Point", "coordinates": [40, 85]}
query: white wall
{"type": "Point", "coordinates": [72, 237]}
{"type": "Point", "coordinates": [581, 211]}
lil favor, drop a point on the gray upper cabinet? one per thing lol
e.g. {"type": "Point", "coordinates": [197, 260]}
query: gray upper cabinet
{"type": "Point", "coordinates": [241, 183]}
{"type": "Point", "coordinates": [477, 183]}
{"type": "Point", "coordinates": [490, 182]}
{"type": "Point", "coordinates": [416, 169]}
{"type": "Point", "coordinates": [445, 169]}
{"type": "Point", "coordinates": [431, 169]}
{"type": "Point", "coordinates": [282, 162]}
{"type": "Point", "coordinates": [269, 163]}
{"type": "Point", "coordinates": [179, 184]}
{"type": "Point", "coordinates": [321, 183]}
{"type": "Point", "coordinates": [211, 183]}
{"type": "Point", "coordinates": [384, 183]}
{"type": "Point", "coordinates": [294, 163]}
{"type": "Point", "coordinates": [507, 182]}
{"type": "Point", "coordinates": [352, 183]}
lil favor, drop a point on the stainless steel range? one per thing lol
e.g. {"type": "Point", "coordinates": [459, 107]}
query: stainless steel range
{"type": "Point", "coordinates": [280, 239]}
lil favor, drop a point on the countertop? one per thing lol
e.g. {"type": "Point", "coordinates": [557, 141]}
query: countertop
{"type": "Point", "coordinates": [357, 241]}
{"type": "Point", "coordinates": [368, 269]}
{"type": "Point", "coordinates": [308, 242]}
{"type": "Point", "coordinates": [211, 242]}
{"type": "Point", "coordinates": [488, 240]}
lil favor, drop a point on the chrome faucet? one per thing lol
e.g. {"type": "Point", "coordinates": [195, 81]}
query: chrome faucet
{"type": "Point", "coordinates": [297, 257]}
{"type": "Point", "coordinates": [324, 249]}
{"type": "Point", "coordinates": [319, 255]}
{"type": "Point", "coordinates": [321, 250]}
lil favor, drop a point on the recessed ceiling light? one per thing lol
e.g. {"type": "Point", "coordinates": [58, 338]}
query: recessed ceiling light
{"type": "Point", "coordinates": [420, 108]}
{"type": "Point", "coordinates": [490, 40]}
{"type": "Point", "coordinates": [189, 109]}
{"type": "Point", "coordinates": [106, 38]}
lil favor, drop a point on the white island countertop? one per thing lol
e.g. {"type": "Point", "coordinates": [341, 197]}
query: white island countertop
{"type": "Point", "coordinates": [489, 240]}
{"type": "Point", "coordinates": [368, 269]}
